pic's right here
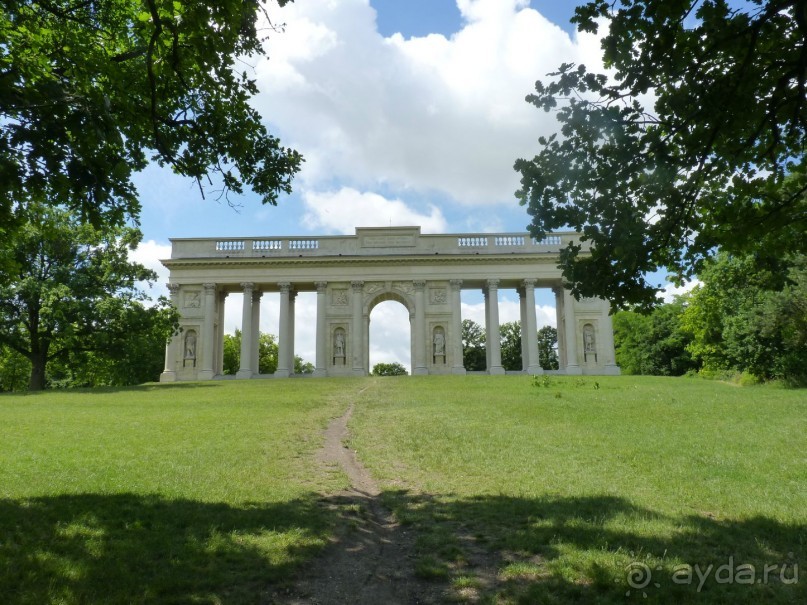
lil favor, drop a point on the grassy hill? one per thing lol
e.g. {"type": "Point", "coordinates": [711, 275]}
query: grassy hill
{"type": "Point", "coordinates": [573, 489]}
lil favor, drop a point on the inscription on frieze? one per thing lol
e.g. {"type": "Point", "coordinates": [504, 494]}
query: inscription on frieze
{"type": "Point", "coordinates": [387, 241]}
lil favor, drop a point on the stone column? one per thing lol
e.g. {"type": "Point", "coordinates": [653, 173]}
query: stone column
{"type": "Point", "coordinates": [529, 332]}
{"type": "Point", "coordinates": [356, 328]}
{"type": "Point", "coordinates": [607, 334]}
{"type": "Point", "coordinates": [283, 332]}
{"type": "Point", "coordinates": [292, 306]}
{"type": "Point", "coordinates": [208, 333]}
{"type": "Point", "coordinates": [558, 290]}
{"type": "Point", "coordinates": [256, 332]}
{"type": "Point", "coordinates": [458, 366]}
{"type": "Point", "coordinates": [219, 365]}
{"type": "Point", "coordinates": [420, 366]}
{"type": "Point", "coordinates": [570, 331]}
{"type": "Point", "coordinates": [320, 364]}
{"type": "Point", "coordinates": [245, 371]}
{"type": "Point", "coordinates": [169, 373]}
{"type": "Point", "coordinates": [487, 328]}
{"type": "Point", "coordinates": [494, 344]}
{"type": "Point", "coordinates": [522, 303]}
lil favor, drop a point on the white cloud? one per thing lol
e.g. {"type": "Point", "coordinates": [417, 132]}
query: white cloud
{"type": "Point", "coordinates": [426, 113]}
{"type": "Point", "coordinates": [149, 253]}
{"type": "Point", "coordinates": [390, 335]}
{"type": "Point", "coordinates": [343, 210]}
{"type": "Point", "coordinates": [670, 291]}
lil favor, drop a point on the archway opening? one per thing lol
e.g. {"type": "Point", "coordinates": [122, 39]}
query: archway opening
{"type": "Point", "coordinates": [390, 334]}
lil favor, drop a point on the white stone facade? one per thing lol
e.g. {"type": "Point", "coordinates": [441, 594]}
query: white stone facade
{"type": "Point", "coordinates": [351, 275]}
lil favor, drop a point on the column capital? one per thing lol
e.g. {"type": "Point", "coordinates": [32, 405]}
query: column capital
{"type": "Point", "coordinates": [321, 286]}
{"type": "Point", "coordinates": [529, 282]}
{"type": "Point", "coordinates": [284, 286]}
{"type": "Point", "coordinates": [493, 284]}
{"type": "Point", "coordinates": [357, 285]}
{"type": "Point", "coordinates": [256, 295]}
{"type": "Point", "coordinates": [173, 289]}
{"type": "Point", "coordinates": [456, 284]}
{"type": "Point", "coordinates": [419, 284]}
{"type": "Point", "coordinates": [247, 286]}
{"type": "Point", "coordinates": [209, 288]}
{"type": "Point", "coordinates": [224, 294]}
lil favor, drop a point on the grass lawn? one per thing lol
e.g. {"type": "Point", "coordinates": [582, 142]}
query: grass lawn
{"type": "Point", "coordinates": [186, 493]}
{"type": "Point", "coordinates": [209, 492]}
{"type": "Point", "coordinates": [572, 483]}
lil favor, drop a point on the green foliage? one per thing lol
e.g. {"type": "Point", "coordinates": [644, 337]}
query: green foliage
{"type": "Point", "coordinates": [473, 346]}
{"type": "Point", "coordinates": [15, 370]}
{"type": "Point", "coordinates": [655, 343]}
{"type": "Point", "coordinates": [303, 367]}
{"type": "Point", "coordinates": [389, 369]}
{"type": "Point", "coordinates": [71, 298]}
{"type": "Point", "coordinates": [717, 162]}
{"type": "Point", "coordinates": [267, 355]}
{"type": "Point", "coordinates": [745, 319]}
{"type": "Point", "coordinates": [91, 91]}
{"type": "Point", "coordinates": [510, 334]}
{"type": "Point", "coordinates": [547, 348]}
{"type": "Point", "coordinates": [132, 353]}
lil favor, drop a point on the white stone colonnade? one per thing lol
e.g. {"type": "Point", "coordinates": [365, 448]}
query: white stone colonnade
{"type": "Point", "coordinates": [352, 274]}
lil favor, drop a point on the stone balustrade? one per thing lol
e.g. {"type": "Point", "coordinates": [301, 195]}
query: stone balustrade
{"type": "Point", "coordinates": [368, 242]}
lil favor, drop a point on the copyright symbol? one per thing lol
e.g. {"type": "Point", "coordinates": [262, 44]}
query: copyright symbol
{"type": "Point", "coordinates": [639, 575]}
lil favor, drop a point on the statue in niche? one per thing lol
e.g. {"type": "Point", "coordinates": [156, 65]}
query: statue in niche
{"type": "Point", "coordinates": [589, 342]}
{"type": "Point", "coordinates": [588, 338]}
{"type": "Point", "coordinates": [439, 344]}
{"type": "Point", "coordinates": [189, 353]}
{"type": "Point", "coordinates": [339, 344]}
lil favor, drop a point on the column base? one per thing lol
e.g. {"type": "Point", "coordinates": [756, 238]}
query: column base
{"type": "Point", "coordinates": [320, 373]}
{"type": "Point", "coordinates": [573, 370]}
{"type": "Point", "coordinates": [420, 371]}
{"type": "Point", "coordinates": [459, 371]}
{"type": "Point", "coordinates": [241, 374]}
{"type": "Point", "coordinates": [496, 371]}
{"type": "Point", "coordinates": [205, 375]}
{"type": "Point", "coordinates": [359, 372]}
{"type": "Point", "coordinates": [282, 373]}
{"type": "Point", "coordinates": [169, 376]}
{"type": "Point", "coordinates": [535, 370]}
{"type": "Point", "coordinates": [612, 370]}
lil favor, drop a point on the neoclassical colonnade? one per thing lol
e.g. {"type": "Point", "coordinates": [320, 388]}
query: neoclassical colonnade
{"type": "Point", "coordinates": [351, 275]}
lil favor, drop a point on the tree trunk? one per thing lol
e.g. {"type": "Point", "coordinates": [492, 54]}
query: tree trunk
{"type": "Point", "coordinates": [37, 382]}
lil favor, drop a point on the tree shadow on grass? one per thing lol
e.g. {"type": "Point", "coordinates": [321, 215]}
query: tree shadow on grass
{"type": "Point", "coordinates": [582, 550]}
{"type": "Point", "coordinates": [126, 548]}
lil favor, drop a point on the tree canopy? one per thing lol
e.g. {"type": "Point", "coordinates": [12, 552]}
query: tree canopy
{"type": "Point", "coordinates": [91, 91]}
{"type": "Point", "coordinates": [695, 141]}
{"type": "Point", "coordinates": [72, 291]}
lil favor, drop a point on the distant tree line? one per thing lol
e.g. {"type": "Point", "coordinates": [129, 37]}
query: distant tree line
{"type": "Point", "coordinates": [749, 315]}
{"type": "Point", "coordinates": [267, 355]}
{"type": "Point", "coordinates": [474, 346]}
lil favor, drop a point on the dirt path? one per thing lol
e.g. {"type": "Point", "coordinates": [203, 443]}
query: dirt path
{"type": "Point", "coordinates": [372, 562]}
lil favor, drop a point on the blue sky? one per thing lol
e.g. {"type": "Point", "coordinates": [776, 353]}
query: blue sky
{"type": "Point", "coordinates": [408, 113]}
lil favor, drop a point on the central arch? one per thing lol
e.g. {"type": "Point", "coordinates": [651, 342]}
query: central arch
{"type": "Point", "coordinates": [407, 312]}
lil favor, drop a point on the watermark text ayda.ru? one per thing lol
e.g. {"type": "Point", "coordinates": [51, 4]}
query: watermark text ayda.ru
{"type": "Point", "coordinates": [640, 576]}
